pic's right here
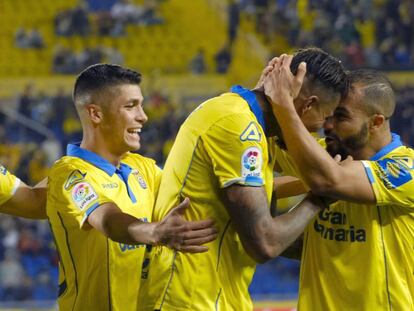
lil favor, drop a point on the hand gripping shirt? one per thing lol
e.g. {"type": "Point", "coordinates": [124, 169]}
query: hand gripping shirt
{"type": "Point", "coordinates": [361, 257]}
{"type": "Point", "coordinates": [8, 184]}
{"type": "Point", "coordinates": [220, 144]}
{"type": "Point", "coordinates": [95, 272]}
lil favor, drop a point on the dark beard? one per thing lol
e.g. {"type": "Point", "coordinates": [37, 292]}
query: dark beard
{"type": "Point", "coordinates": [350, 145]}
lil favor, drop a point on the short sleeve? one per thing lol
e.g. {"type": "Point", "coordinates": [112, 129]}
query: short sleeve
{"type": "Point", "coordinates": [157, 180]}
{"type": "Point", "coordinates": [81, 193]}
{"type": "Point", "coordinates": [392, 181]}
{"type": "Point", "coordinates": [237, 148]}
{"type": "Point", "coordinates": [8, 184]}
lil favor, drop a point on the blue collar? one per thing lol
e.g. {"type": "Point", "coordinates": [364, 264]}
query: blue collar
{"type": "Point", "coordinates": [250, 97]}
{"type": "Point", "coordinates": [75, 150]}
{"type": "Point", "coordinates": [395, 143]}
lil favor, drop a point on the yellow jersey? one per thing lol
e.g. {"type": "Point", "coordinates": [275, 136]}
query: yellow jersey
{"type": "Point", "coordinates": [221, 143]}
{"type": "Point", "coordinates": [361, 257]}
{"type": "Point", "coordinates": [286, 163]}
{"type": "Point", "coordinates": [8, 184]}
{"type": "Point", "coordinates": [96, 273]}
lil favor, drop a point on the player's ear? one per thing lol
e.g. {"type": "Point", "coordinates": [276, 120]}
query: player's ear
{"type": "Point", "coordinates": [307, 104]}
{"type": "Point", "coordinates": [377, 120]}
{"type": "Point", "coordinates": [95, 113]}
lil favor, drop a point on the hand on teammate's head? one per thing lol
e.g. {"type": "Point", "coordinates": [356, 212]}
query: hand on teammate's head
{"type": "Point", "coordinates": [269, 67]}
{"type": "Point", "coordinates": [280, 85]}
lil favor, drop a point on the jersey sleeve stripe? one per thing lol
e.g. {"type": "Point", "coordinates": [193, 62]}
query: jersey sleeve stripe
{"type": "Point", "coordinates": [89, 211]}
{"type": "Point", "coordinates": [369, 172]}
{"type": "Point", "coordinates": [15, 186]}
{"type": "Point", "coordinates": [252, 181]}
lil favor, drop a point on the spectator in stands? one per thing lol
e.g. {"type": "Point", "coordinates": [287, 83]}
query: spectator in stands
{"type": "Point", "coordinates": [233, 13]}
{"type": "Point", "coordinates": [64, 61]}
{"type": "Point", "coordinates": [35, 39]}
{"type": "Point", "coordinates": [32, 39]}
{"type": "Point", "coordinates": [223, 59]}
{"type": "Point", "coordinates": [63, 22]}
{"type": "Point", "coordinates": [198, 63]}
{"type": "Point", "coordinates": [26, 101]}
{"type": "Point", "coordinates": [20, 38]}
{"type": "Point", "coordinates": [11, 276]}
{"type": "Point", "coordinates": [125, 12]}
{"type": "Point", "coordinates": [150, 13]}
{"type": "Point", "coordinates": [80, 22]}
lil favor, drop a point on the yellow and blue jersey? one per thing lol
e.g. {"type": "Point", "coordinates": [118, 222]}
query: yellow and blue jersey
{"type": "Point", "coordinates": [96, 273]}
{"type": "Point", "coordinates": [221, 143]}
{"type": "Point", "coordinates": [8, 184]}
{"type": "Point", "coordinates": [361, 257]}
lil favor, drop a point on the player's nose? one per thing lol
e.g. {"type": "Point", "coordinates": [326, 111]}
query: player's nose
{"type": "Point", "coordinates": [328, 125]}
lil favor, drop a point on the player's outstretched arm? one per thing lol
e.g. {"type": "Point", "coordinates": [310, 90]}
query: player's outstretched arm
{"type": "Point", "coordinates": [27, 202]}
{"type": "Point", "coordinates": [319, 171]}
{"type": "Point", "coordinates": [173, 231]}
{"type": "Point", "coordinates": [264, 237]}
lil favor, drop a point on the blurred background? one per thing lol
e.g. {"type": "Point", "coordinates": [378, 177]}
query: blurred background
{"type": "Point", "coordinates": [187, 51]}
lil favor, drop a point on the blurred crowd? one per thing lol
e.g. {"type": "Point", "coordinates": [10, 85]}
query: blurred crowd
{"type": "Point", "coordinates": [375, 33]}
{"type": "Point", "coordinates": [90, 18]}
{"type": "Point", "coordinates": [28, 260]}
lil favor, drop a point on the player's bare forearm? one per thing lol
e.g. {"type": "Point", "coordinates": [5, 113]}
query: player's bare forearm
{"type": "Point", "coordinates": [262, 236]}
{"type": "Point", "coordinates": [294, 251]}
{"type": "Point", "coordinates": [27, 202]}
{"type": "Point", "coordinates": [173, 231]}
{"type": "Point", "coordinates": [121, 227]}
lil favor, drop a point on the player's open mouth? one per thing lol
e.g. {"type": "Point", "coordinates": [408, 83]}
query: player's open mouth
{"type": "Point", "coordinates": [330, 139]}
{"type": "Point", "coordinates": [134, 131]}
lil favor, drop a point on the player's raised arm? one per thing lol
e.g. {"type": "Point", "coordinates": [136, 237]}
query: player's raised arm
{"type": "Point", "coordinates": [173, 231]}
{"type": "Point", "coordinates": [264, 237]}
{"type": "Point", "coordinates": [322, 174]}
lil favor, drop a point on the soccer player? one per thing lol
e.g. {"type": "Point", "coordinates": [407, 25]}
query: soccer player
{"type": "Point", "coordinates": [101, 198]}
{"type": "Point", "coordinates": [18, 199]}
{"type": "Point", "coordinates": [357, 255]}
{"type": "Point", "coordinates": [223, 160]}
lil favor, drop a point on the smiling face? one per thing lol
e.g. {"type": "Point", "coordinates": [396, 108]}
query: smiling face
{"type": "Point", "coordinates": [123, 118]}
{"type": "Point", "coordinates": [347, 132]}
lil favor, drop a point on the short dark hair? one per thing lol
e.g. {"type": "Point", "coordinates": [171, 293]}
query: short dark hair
{"type": "Point", "coordinates": [378, 93]}
{"type": "Point", "coordinates": [99, 76]}
{"type": "Point", "coordinates": [322, 68]}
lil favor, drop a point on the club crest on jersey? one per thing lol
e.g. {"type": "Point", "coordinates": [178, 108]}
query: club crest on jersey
{"type": "Point", "coordinates": [140, 179]}
{"type": "Point", "coordinates": [3, 170]}
{"type": "Point", "coordinates": [251, 162]}
{"type": "Point", "coordinates": [393, 173]}
{"type": "Point", "coordinates": [83, 195]}
{"type": "Point", "coordinates": [74, 177]}
{"type": "Point", "coordinates": [251, 133]}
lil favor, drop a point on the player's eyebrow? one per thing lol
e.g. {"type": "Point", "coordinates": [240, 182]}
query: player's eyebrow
{"type": "Point", "coordinates": [341, 111]}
